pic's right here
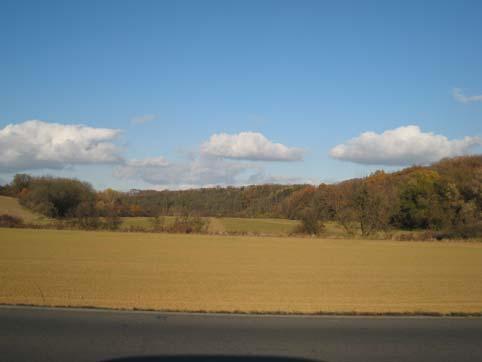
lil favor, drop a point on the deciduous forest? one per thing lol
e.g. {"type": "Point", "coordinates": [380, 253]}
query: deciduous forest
{"type": "Point", "coordinates": [445, 197]}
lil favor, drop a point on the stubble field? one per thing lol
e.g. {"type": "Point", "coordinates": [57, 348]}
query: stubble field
{"type": "Point", "coordinates": [238, 273]}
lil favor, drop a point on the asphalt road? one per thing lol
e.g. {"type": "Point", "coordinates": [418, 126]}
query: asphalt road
{"type": "Point", "coordinates": [39, 334]}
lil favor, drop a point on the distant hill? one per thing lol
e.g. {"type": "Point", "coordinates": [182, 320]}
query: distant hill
{"type": "Point", "coordinates": [11, 206]}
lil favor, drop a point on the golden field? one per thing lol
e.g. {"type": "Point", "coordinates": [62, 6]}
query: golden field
{"type": "Point", "coordinates": [237, 273]}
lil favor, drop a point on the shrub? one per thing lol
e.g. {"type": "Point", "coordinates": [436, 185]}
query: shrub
{"type": "Point", "coordinates": [112, 222]}
{"type": "Point", "coordinates": [88, 223]}
{"type": "Point", "coordinates": [473, 230]}
{"type": "Point", "coordinates": [187, 225]}
{"type": "Point", "coordinates": [55, 197]}
{"type": "Point", "coordinates": [157, 223]}
{"type": "Point", "coordinates": [10, 221]}
{"type": "Point", "coordinates": [136, 229]}
{"type": "Point", "coordinates": [310, 224]}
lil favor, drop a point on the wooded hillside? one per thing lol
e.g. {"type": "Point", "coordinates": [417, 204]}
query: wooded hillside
{"type": "Point", "coordinates": [446, 196]}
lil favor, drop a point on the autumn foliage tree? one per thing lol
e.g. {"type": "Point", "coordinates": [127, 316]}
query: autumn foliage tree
{"type": "Point", "coordinates": [445, 197]}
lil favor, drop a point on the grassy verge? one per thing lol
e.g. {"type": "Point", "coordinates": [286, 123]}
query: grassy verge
{"type": "Point", "coordinates": [266, 313]}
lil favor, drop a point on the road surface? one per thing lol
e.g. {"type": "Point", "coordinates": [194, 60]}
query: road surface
{"type": "Point", "coordinates": [43, 334]}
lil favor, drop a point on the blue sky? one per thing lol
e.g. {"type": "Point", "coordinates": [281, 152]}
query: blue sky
{"type": "Point", "coordinates": [308, 75]}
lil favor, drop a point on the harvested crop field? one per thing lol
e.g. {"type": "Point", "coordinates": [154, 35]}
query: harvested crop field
{"type": "Point", "coordinates": [237, 273]}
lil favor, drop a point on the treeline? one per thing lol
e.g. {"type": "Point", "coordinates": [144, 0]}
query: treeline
{"type": "Point", "coordinates": [70, 201]}
{"type": "Point", "coordinates": [248, 201]}
{"type": "Point", "coordinates": [445, 197]}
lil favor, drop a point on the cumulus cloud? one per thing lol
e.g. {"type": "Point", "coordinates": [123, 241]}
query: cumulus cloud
{"type": "Point", "coordinates": [458, 95]}
{"type": "Point", "coordinates": [144, 118]}
{"type": "Point", "coordinates": [251, 146]}
{"type": "Point", "coordinates": [36, 144]}
{"type": "Point", "coordinates": [222, 160]}
{"type": "Point", "coordinates": [401, 147]}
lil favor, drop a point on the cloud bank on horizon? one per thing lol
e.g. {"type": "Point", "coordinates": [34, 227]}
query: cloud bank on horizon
{"type": "Point", "coordinates": [402, 146]}
{"type": "Point", "coordinates": [196, 172]}
{"type": "Point", "coordinates": [224, 159]}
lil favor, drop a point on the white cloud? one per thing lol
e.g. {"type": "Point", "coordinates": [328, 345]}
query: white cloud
{"type": "Point", "coordinates": [221, 161]}
{"type": "Point", "coordinates": [196, 172]}
{"type": "Point", "coordinates": [461, 97]}
{"type": "Point", "coordinates": [148, 162]}
{"type": "Point", "coordinates": [251, 146]}
{"type": "Point", "coordinates": [199, 171]}
{"type": "Point", "coordinates": [263, 178]}
{"type": "Point", "coordinates": [144, 118]}
{"type": "Point", "coordinates": [401, 147]}
{"type": "Point", "coordinates": [36, 144]}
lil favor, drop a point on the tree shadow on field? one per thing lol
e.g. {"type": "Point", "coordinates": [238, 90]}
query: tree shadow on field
{"type": "Point", "coordinates": [209, 358]}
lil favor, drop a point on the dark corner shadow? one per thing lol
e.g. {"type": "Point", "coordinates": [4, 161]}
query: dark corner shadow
{"type": "Point", "coordinates": [209, 358]}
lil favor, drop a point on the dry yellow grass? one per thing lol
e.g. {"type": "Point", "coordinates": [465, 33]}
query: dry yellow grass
{"type": "Point", "coordinates": [218, 273]}
{"type": "Point", "coordinates": [216, 225]}
{"type": "Point", "coordinates": [266, 226]}
{"type": "Point", "coordinates": [11, 206]}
